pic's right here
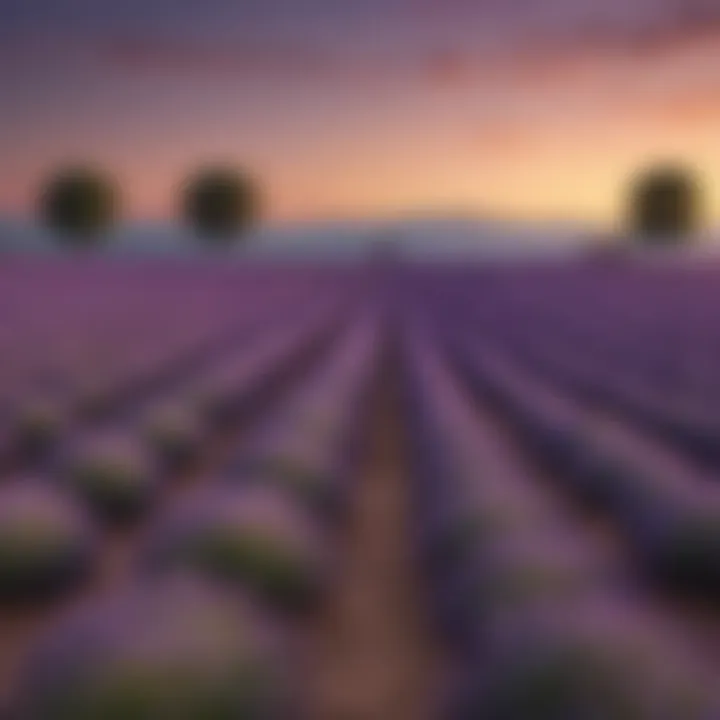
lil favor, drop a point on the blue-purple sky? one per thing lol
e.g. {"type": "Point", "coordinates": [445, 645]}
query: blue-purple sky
{"type": "Point", "coordinates": [530, 108]}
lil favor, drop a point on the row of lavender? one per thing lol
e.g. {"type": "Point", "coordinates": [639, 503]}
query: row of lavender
{"type": "Point", "coordinates": [640, 341]}
{"type": "Point", "coordinates": [224, 575]}
{"type": "Point", "coordinates": [82, 338]}
{"type": "Point", "coordinates": [622, 436]}
{"type": "Point", "coordinates": [537, 623]}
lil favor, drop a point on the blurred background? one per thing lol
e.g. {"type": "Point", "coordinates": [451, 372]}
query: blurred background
{"type": "Point", "coordinates": [458, 115]}
{"type": "Point", "coordinates": [280, 438]}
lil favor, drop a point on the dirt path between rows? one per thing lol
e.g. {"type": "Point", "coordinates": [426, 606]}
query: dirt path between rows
{"type": "Point", "coordinates": [375, 658]}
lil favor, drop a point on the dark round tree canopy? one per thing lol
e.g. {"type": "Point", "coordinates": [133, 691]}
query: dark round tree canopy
{"type": "Point", "coordinates": [79, 203]}
{"type": "Point", "coordinates": [220, 203]}
{"type": "Point", "coordinates": [665, 203]}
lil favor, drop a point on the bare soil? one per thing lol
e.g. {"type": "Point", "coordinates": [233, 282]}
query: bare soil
{"type": "Point", "coordinates": [374, 656]}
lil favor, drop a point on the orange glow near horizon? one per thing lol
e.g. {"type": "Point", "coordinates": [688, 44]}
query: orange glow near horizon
{"type": "Point", "coordinates": [541, 176]}
{"type": "Point", "coordinates": [557, 136]}
{"type": "Point", "coordinates": [534, 177]}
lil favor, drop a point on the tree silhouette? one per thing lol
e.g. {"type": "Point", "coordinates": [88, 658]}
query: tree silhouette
{"type": "Point", "coordinates": [665, 204]}
{"type": "Point", "coordinates": [220, 203]}
{"type": "Point", "coordinates": [80, 204]}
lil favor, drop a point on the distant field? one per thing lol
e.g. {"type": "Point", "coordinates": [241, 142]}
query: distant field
{"type": "Point", "coordinates": [342, 240]}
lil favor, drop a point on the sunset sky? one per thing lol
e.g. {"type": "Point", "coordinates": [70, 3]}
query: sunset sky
{"type": "Point", "coordinates": [354, 109]}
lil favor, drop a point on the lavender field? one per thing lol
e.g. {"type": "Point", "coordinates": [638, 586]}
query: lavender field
{"type": "Point", "coordinates": [391, 490]}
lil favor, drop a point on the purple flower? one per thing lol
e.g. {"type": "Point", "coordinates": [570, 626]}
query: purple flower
{"type": "Point", "coordinates": [46, 540]}
{"type": "Point", "coordinates": [174, 648]}
{"type": "Point", "coordinates": [251, 536]}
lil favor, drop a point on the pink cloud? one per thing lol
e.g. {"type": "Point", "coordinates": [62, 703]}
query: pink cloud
{"type": "Point", "coordinates": [572, 55]}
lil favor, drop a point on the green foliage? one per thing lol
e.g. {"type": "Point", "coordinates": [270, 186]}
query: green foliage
{"type": "Point", "coordinates": [220, 203]}
{"type": "Point", "coordinates": [80, 204]}
{"type": "Point", "coordinates": [665, 204]}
